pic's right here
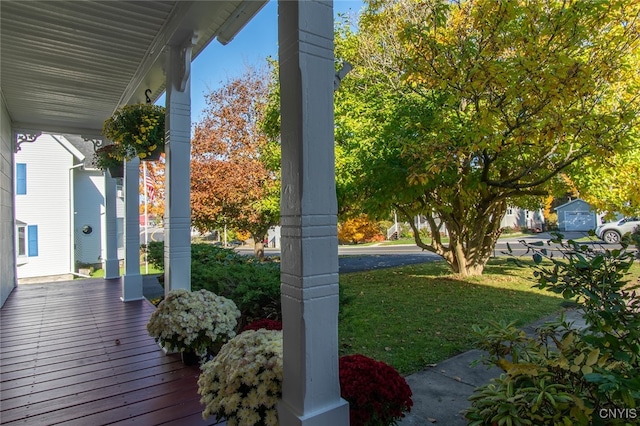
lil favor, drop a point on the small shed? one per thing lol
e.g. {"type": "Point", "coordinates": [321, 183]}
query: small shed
{"type": "Point", "coordinates": [576, 215]}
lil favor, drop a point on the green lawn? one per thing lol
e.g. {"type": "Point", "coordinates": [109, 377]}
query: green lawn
{"type": "Point", "coordinates": [99, 273]}
{"type": "Point", "coordinates": [416, 315]}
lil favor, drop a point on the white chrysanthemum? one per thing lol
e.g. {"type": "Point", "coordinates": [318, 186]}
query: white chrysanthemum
{"type": "Point", "coordinates": [193, 320]}
{"type": "Point", "coordinates": [244, 381]}
{"type": "Point", "coordinates": [271, 419]}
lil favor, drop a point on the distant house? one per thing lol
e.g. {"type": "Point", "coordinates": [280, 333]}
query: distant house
{"type": "Point", "coordinates": [273, 236]}
{"type": "Point", "coordinates": [59, 209]}
{"type": "Point", "coordinates": [518, 218]}
{"type": "Point", "coordinates": [514, 218]}
{"type": "Point", "coordinates": [576, 215]}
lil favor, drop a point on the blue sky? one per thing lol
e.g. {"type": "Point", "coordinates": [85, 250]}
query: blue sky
{"type": "Point", "coordinates": [257, 41]}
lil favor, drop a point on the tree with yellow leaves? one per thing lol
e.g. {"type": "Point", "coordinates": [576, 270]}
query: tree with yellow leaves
{"type": "Point", "coordinates": [458, 109]}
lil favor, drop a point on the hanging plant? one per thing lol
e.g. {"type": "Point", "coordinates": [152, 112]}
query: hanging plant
{"type": "Point", "coordinates": [108, 156]}
{"type": "Point", "coordinates": [138, 129]}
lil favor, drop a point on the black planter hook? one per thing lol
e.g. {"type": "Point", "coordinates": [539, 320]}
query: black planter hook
{"type": "Point", "coordinates": [146, 95]}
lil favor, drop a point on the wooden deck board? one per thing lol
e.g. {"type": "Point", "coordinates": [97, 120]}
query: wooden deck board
{"type": "Point", "coordinates": [74, 353]}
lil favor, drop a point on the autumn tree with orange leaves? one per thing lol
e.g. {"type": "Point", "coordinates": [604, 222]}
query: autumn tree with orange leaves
{"type": "Point", "coordinates": [234, 175]}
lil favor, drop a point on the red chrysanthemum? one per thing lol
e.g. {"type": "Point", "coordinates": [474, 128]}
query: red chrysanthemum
{"type": "Point", "coordinates": [265, 323]}
{"type": "Point", "coordinates": [377, 394]}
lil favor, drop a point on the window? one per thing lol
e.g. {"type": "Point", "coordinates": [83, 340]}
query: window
{"type": "Point", "coordinates": [22, 240]}
{"type": "Point", "coordinates": [509, 211]}
{"type": "Point", "coordinates": [26, 241]}
{"type": "Point", "coordinates": [32, 236]}
{"type": "Point", "coordinates": [21, 179]}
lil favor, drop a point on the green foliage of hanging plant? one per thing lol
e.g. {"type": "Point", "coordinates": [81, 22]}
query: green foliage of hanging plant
{"type": "Point", "coordinates": [107, 156]}
{"type": "Point", "coordinates": [138, 129]}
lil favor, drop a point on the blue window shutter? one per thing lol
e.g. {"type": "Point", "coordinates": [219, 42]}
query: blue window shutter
{"type": "Point", "coordinates": [21, 178]}
{"type": "Point", "coordinates": [32, 235]}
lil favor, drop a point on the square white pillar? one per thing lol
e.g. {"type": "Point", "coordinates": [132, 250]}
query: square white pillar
{"type": "Point", "coordinates": [111, 262]}
{"type": "Point", "coordinates": [132, 280]}
{"type": "Point", "coordinates": [309, 268]}
{"type": "Point", "coordinates": [177, 217]}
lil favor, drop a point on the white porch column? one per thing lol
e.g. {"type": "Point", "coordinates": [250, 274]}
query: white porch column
{"type": "Point", "coordinates": [132, 280]}
{"type": "Point", "coordinates": [311, 390]}
{"type": "Point", "coordinates": [111, 263]}
{"type": "Point", "coordinates": [177, 211]}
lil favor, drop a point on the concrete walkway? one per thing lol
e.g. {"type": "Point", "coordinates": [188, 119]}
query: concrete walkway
{"type": "Point", "coordinates": [440, 393]}
{"type": "Point", "coordinates": [151, 288]}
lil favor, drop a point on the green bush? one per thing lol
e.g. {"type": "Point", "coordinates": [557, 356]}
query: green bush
{"type": "Point", "coordinates": [253, 285]}
{"type": "Point", "coordinates": [564, 375]}
{"type": "Point", "coordinates": [155, 253]}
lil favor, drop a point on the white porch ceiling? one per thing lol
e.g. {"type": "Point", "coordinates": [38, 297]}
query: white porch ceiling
{"type": "Point", "coordinates": [65, 66]}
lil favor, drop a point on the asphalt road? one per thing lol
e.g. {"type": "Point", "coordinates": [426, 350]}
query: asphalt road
{"type": "Point", "coordinates": [153, 234]}
{"type": "Point", "coordinates": [358, 258]}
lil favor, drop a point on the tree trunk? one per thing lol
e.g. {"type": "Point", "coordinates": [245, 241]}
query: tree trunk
{"type": "Point", "coordinates": [258, 245]}
{"type": "Point", "coordinates": [471, 243]}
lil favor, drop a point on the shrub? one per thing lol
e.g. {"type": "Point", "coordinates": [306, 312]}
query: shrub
{"type": "Point", "coordinates": [253, 285]}
{"type": "Point", "coordinates": [563, 375]}
{"type": "Point", "coordinates": [510, 230]}
{"type": "Point", "coordinates": [201, 254]}
{"type": "Point", "coordinates": [377, 394]}
{"type": "Point", "coordinates": [551, 221]}
{"type": "Point", "coordinates": [155, 253]}
{"type": "Point", "coordinates": [358, 230]}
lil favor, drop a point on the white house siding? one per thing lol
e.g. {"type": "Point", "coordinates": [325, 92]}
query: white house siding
{"type": "Point", "coordinates": [89, 211]}
{"type": "Point", "coordinates": [526, 219]}
{"type": "Point", "coordinates": [7, 235]}
{"type": "Point", "coordinates": [512, 218]}
{"type": "Point", "coordinates": [47, 205]}
{"type": "Point", "coordinates": [273, 235]}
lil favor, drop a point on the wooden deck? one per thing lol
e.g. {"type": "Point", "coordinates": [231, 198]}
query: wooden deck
{"type": "Point", "coordinates": [73, 353]}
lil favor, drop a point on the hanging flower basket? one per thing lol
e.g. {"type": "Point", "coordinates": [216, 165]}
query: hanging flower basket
{"type": "Point", "coordinates": [155, 154]}
{"type": "Point", "coordinates": [138, 129]}
{"type": "Point", "coordinates": [117, 172]}
{"type": "Point", "coordinates": [110, 157]}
